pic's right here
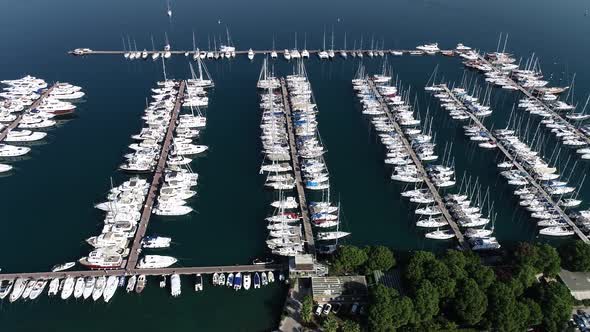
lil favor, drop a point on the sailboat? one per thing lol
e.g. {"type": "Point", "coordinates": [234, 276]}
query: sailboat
{"type": "Point", "coordinates": [167, 52]}
{"type": "Point", "coordinates": [323, 54]}
{"type": "Point", "coordinates": [305, 52]}
{"type": "Point", "coordinates": [273, 53]}
{"type": "Point", "coordinates": [169, 11]}
{"type": "Point", "coordinates": [155, 55]}
{"type": "Point", "coordinates": [331, 51]}
{"type": "Point", "coordinates": [343, 51]}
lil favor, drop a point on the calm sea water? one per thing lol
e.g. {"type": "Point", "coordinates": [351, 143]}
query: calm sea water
{"type": "Point", "coordinates": [46, 207]}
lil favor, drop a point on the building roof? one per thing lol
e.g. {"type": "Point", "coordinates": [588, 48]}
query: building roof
{"type": "Point", "coordinates": [576, 281]}
{"type": "Point", "coordinates": [339, 289]}
{"type": "Point", "coordinates": [391, 279]}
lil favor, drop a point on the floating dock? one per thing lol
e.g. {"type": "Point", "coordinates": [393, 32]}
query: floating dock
{"type": "Point", "coordinates": [156, 180]}
{"type": "Point", "coordinates": [421, 170]}
{"type": "Point", "coordinates": [519, 166]}
{"type": "Point", "coordinates": [307, 230]}
{"type": "Point", "coordinates": [18, 119]}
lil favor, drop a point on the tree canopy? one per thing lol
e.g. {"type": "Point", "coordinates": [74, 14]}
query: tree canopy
{"type": "Point", "coordinates": [575, 256]}
{"type": "Point", "coordinates": [379, 258]}
{"type": "Point", "coordinates": [349, 259]}
{"type": "Point", "coordinates": [470, 302]}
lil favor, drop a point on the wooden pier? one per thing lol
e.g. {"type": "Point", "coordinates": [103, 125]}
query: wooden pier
{"type": "Point", "coordinates": [307, 230]}
{"type": "Point", "coordinates": [529, 95]}
{"type": "Point", "coordinates": [421, 171]}
{"type": "Point", "coordinates": [18, 119]}
{"type": "Point", "coordinates": [156, 181]}
{"type": "Point", "coordinates": [519, 166]}
{"type": "Point", "coordinates": [148, 272]}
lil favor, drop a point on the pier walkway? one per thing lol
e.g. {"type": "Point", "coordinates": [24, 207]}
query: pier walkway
{"type": "Point", "coordinates": [81, 52]}
{"type": "Point", "coordinates": [553, 113]}
{"type": "Point", "coordinates": [18, 119]}
{"type": "Point", "coordinates": [519, 166]}
{"type": "Point", "coordinates": [421, 170]}
{"type": "Point", "coordinates": [307, 231]}
{"type": "Point", "coordinates": [148, 272]}
{"type": "Point", "coordinates": [156, 180]}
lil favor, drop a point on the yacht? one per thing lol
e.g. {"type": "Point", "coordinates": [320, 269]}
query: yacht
{"type": "Point", "coordinates": [24, 136]}
{"type": "Point", "coordinates": [198, 283]}
{"type": "Point", "coordinates": [440, 235]}
{"type": "Point", "coordinates": [53, 287]}
{"type": "Point", "coordinates": [110, 288]}
{"type": "Point", "coordinates": [556, 231]}
{"type": "Point", "coordinates": [172, 210]}
{"type": "Point", "coordinates": [79, 287]}
{"type": "Point", "coordinates": [221, 279]}
{"type": "Point", "coordinates": [230, 280]}
{"type": "Point", "coordinates": [271, 277]}
{"type": "Point", "coordinates": [5, 288]}
{"type": "Point", "coordinates": [88, 287]}
{"type": "Point", "coordinates": [102, 259]}
{"type": "Point", "coordinates": [99, 287]}
{"type": "Point", "coordinates": [215, 278]}
{"type": "Point", "coordinates": [28, 289]}
{"type": "Point", "coordinates": [13, 151]}
{"type": "Point", "coordinates": [17, 290]}
{"type": "Point", "coordinates": [175, 285]}
{"type": "Point", "coordinates": [238, 281]}
{"type": "Point", "coordinates": [257, 280]}
{"type": "Point", "coordinates": [141, 282]}
{"type": "Point", "coordinates": [156, 242]}
{"type": "Point", "coordinates": [247, 281]}
{"type": "Point", "coordinates": [155, 262]}
{"type": "Point", "coordinates": [485, 243]}
{"type": "Point", "coordinates": [68, 288]}
{"type": "Point", "coordinates": [131, 284]}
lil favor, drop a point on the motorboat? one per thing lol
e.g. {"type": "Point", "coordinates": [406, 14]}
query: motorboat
{"type": "Point", "coordinates": [79, 287]}
{"type": "Point", "coordinates": [89, 283]}
{"type": "Point", "coordinates": [68, 288]}
{"type": "Point", "coordinates": [63, 267]}
{"type": "Point", "coordinates": [156, 242]}
{"type": "Point", "coordinates": [5, 288]}
{"type": "Point", "coordinates": [198, 282]}
{"type": "Point", "coordinates": [237, 282]}
{"type": "Point", "coordinates": [131, 284]}
{"type": "Point", "coordinates": [19, 287]}
{"type": "Point", "coordinates": [99, 287]}
{"type": "Point", "coordinates": [37, 289]}
{"type": "Point", "coordinates": [53, 287]}
{"type": "Point", "coordinates": [110, 288]}
{"type": "Point", "coordinates": [175, 285]}
{"type": "Point", "coordinates": [247, 281]}
{"type": "Point", "coordinates": [141, 282]}
{"type": "Point", "coordinates": [155, 262]}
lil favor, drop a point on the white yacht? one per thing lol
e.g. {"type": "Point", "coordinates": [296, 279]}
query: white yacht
{"type": "Point", "coordinates": [156, 242]}
{"type": "Point", "coordinates": [13, 151]}
{"type": "Point", "coordinates": [131, 284]}
{"type": "Point", "coordinates": [486, 243]}
{"type": "Point", "coordinates": [175, 285]}
{"type": "Point", "coordinates": [17, 290]}
{"type": "Point", "coordinates": [79, 287]}
{"type": "Point", "coordinates": [440, 235]}
{"type": "Point", "coordinates": [110, 288]}
{"type": "Point", "coordinates": [99, 287]}
{"type": "Point", "coordinates": [38, 289]}
{"type": "Point", "coordinates": [68, 288]}
{"type": "Point", "coordinates": [5, 288]}
{"type": "Point", "coordinates": [247, 281]}
{"type": "Point", "coordinates": [53, 287]}
{"type": "Point", "coordinates": [155, 262]}
{"type": "Point", "coordinates": [556, 231]}
{"type": "Point", "coordinates": [88, 287]}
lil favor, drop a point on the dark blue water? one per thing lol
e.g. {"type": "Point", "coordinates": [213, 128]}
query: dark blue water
{"type": "Point", "coordinates": [46, 206]}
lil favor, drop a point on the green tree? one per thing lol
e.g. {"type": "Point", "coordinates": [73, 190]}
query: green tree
{"type": "Point", "coordinates": [549, 262]}
{"type": "Point", "coordinates": [330, 323]}
{"type": "Point", "coordinates": [418, 267]}
{"type": "Point", "coordinates": [307, 309]}
{"type": "Point", "coordinates": [502, 311]}
{"type": "Point", "coordinates": [535, 312]}
{"type": "Point", "coordinates": [556, 305]}
{"type": "Point", "coordinates": [470, 302]}
{"type": "Point", "coordinates": [381, 309]}
{"type": "Point", "coordinates": [402, 311]}
{"type": "Point", "coordinates": [455, 261]}
{"type": "Point", "coordinates": [425, 302]}
{"type": "Point", "coordinates": [350, 326]}
{"type": "Point", "coordinates": [440, 277]}
{"type": "Point", "coordinates": [349, 259]}
{"type": "Point", "coordinates": [483, 275]}
{"type": "Point", "coordinates": [526, 254]}
{"type": "Point", "coordinates": [575, 256]}
{"type": "Point", "coordinates": [379, 258]}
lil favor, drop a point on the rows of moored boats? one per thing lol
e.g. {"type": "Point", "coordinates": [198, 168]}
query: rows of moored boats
{"type": "Point", "coordinates": [246, 280]}
{"type": "Point", "coordinates": [324, 216]}
{"type": "Point", "coordinates": [400, 133]}
{"type": "Point", "coordinates": [537, 171]}
{"type": "Point", "coordinates": [545, 102]}
{"type": "Point", "coordinates": [16, 107]}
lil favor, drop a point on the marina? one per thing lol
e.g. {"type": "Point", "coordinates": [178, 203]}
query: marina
{"type": "Point", "coordinates": [50, 205]}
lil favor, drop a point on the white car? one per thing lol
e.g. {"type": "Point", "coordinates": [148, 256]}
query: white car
{"type": "Point", "coordinates": [327, 309]}
{"type": "Point", "coordinates": [318, 310]}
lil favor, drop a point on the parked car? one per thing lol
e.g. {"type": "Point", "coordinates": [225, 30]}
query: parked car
{"type": "Point", "coordinates": [336, 308]}
{"type": "Point", "coordinates": [318, 310]}
{"type": "Point", "coordinates": [327, 308]}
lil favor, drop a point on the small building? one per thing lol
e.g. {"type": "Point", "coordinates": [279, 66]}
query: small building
{"type": "Point", "coordinates": [577, 282]}
{"type": "Point", "coordinates": [390, 279]}
{"type": "Point", "coordinates": [343, 289]}
{"type": "Point", "coordinates": [301, 266]}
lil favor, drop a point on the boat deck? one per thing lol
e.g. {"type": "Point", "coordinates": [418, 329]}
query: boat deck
{"type": "Point", "coordinates": [18, 119]}
{"type": "Point", "coordinates": [307, 230]}
{"type": "Point", "coordinates": [156, 180]}
{"type": "Point", "coordinates": [421, 170]}
{"type": "Point", "coordinates": [245, 52]}
{"type": "Point", "coordinates": [519, 166]}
